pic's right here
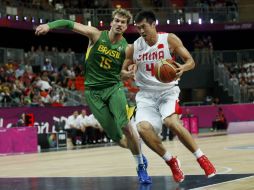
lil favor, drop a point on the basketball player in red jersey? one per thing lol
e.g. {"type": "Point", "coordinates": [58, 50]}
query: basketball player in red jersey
{"type": "Point", "coordinates": [157, 102]}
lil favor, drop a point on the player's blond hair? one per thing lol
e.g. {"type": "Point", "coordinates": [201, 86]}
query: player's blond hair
{"type": "Point", "coordinates": [124, 13]}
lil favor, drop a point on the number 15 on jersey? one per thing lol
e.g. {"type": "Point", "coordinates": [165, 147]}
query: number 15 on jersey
{"type": "Point", "coordinates": [105, 63]}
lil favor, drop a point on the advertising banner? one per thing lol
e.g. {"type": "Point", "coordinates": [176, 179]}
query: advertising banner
{"type": "Point", "coordinates": [43, 117]}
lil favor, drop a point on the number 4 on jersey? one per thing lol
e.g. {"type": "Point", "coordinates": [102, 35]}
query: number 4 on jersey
{"type": "Point", "coordinates": [150, 67]}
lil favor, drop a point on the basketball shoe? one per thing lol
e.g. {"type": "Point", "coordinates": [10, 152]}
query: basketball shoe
{"type": "Point", "coordinates": [143, 176]}
{"type": "Point", "coordinates": [174, 165]}
{"type": "Point", "coordinates": [207, 166]}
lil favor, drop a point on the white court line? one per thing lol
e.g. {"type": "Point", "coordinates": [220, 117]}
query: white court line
{"type": "Point", "coordinates": [240, 148]}
{"type": "Point", "coordinates": [227, 170]}
{"type": "Point", "coordinates": [225, 182]}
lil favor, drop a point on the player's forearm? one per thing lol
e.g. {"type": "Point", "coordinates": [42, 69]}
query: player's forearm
{"type": "Point", "coordinates": [189, 64]}
{"type": "Point", "coordinates": [61, 24]}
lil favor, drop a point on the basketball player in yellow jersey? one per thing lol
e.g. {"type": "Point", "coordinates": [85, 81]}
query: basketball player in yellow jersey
{"type": "Point", "coordinates": [104, 89]}
{"type": "Point", "coordinates": [157, 102]}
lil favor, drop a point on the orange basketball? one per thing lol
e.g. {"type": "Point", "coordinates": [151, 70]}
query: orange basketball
{"type": "Point", "coordinates": [165, 70]}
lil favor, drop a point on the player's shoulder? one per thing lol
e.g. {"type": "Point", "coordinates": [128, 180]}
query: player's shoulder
{"type": "Point", "coordinates": [172, 36]}
{"type": "Point", "coordinates": [163, 36]}
{"type": "Point", "coordinates": [140, 42]}
{"type": "Point", "coordinates": [140, 39]}
{"type": "Point", "coordinates": [103, 33]}
{"type": "Point", "coordinates": [162, 33]}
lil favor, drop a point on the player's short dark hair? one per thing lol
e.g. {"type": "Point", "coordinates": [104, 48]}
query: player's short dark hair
{"type": "Point", "coordinates": [146, 14]}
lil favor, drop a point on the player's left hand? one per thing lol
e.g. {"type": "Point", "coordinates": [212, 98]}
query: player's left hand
{"type": "Point", "coordinates": [130, 74]}
{"type": "Point", "coordinates": [41, 29]}
{"type": "Point", "coordinates": [133, 68]}
{"type": "Point", "coordinates": [179, 70]}
{"type": "Point", "coordinates": [127, 74]}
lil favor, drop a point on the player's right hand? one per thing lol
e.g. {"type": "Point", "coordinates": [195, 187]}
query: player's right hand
{"type": "Point", "coordinates": [41, 29]}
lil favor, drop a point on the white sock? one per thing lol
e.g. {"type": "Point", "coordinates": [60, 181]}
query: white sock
{"type": "Point", "coordinates": [167, 156]}
{"type": "Point", "coordinates": [138, 158]}
{"type": "Point", "coordinates": [198, 153]}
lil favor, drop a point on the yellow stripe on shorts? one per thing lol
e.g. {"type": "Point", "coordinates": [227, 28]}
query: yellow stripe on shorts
{"type": "Point", "coordinates": [130, 111]}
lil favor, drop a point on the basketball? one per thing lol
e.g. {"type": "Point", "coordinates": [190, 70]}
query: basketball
{"type": "Point", "coordinates": [165, 70]}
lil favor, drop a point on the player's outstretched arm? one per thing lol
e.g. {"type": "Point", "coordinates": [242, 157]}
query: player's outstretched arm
{"type": "Point", "coordinates": [91, 32]}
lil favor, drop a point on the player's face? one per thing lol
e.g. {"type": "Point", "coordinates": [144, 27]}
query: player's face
{"type": "Point", "coordinates": [145, 29]}
{"type": "Point", "coordinates": [119, 24]}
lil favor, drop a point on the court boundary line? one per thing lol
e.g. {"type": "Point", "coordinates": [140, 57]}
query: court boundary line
{"type": "Point", "coordinates": [225, 182]}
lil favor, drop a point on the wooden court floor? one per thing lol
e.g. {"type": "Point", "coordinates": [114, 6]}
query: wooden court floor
{"type": "Point", "coordinates": [111, 167]}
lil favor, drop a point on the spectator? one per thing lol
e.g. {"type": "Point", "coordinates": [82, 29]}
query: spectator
{"type": "Point", "coordinates": [28, 68]}
{"type": "Point", "coordinates": [187, 113]}
{"type": "Point", "coordinates": [58, 98]}
{"type": "Point", "coordinates": [21, 121]}
{"type": "Point", "coordinates": [43, 84]}
{"type": "Point", "coordinates": [208, 100]}
{"type": "Point", "coordinates": [97, 134]}
{"type": "Point", "coordinates": [234, 79]}
{"type": "Point", "coordinates": [72, 127]}
{"type": "Point", "coordinates": [216, 101]}
{"type": "Point", "coordinates": [220, 121]}
{"type": "Point", "coordinates": [83, 123]}
{"type": "Point", "coordinates": [47, 66]}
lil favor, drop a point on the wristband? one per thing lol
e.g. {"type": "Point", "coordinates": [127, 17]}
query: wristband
{"type": "Point", "coordinates": [61, 24]}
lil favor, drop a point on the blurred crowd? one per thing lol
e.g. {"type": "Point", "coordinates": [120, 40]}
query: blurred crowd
{"type": "Point", "coordinates": [242, 74]}
{"type": "Point", "coordinates": [40, 80]}
{"type": "Point", "coordinates": [203, 49]}
{"type": "Point", "coordinates": [214, 3]}
{"type": "Point", "coordinates": [59, 4]}
{"type": "Point", "coordinates": [81, 4]}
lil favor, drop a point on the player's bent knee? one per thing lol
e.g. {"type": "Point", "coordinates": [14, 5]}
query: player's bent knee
{"type": "Point", "coordinates": [143, 127]}
{"type": "Point", "coordinates": [173, 125]}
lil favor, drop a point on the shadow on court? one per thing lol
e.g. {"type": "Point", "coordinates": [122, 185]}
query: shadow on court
{"type": "Point", "coordinates": [113, 183]}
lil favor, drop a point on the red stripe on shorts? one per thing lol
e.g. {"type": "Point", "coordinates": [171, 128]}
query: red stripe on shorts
{"type": "Point", "coordinates": [178, 109]}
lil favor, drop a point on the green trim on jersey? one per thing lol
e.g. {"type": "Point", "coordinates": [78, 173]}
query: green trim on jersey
{"type": "Point", "coordinates": [104, 62]}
